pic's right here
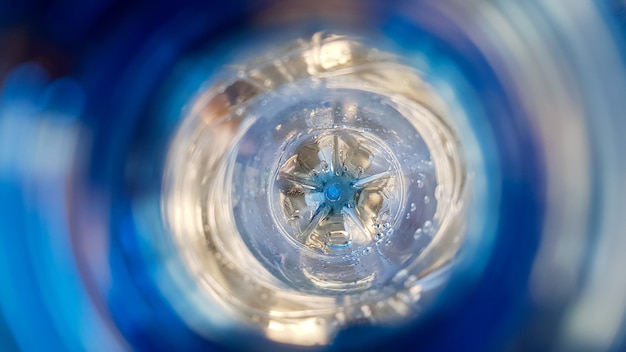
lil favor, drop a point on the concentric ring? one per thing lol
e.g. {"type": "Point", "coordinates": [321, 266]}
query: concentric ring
{"type": "Point", "coordinates": [326, 186]}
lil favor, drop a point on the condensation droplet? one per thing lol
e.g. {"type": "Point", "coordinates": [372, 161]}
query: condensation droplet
{"type": "Point", "coordinates": [410, 281]}
{"type": "Point", "coordinates": [367, 311]}
{"type": "Point", "coordinates": [428, 227]}
{"type": "Point", "coordinates": [439, 192]}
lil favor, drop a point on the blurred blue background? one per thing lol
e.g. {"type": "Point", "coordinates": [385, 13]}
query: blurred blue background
{"type": "Point", "coordinates": [91, 94]}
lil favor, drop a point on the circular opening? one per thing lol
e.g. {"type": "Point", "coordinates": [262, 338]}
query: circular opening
{"type": "Point", "coordinates": [324, 182]}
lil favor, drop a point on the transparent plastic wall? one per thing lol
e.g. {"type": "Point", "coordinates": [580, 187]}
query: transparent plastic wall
{"type": "Point", "coordinates": [313, 175]}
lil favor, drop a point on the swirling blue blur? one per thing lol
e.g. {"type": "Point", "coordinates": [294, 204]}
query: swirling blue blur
{"type": "Point", "coordinates": [92, 94]}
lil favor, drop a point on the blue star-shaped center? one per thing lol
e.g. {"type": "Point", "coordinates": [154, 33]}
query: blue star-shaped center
{"type": "Point", "coordinates": [334, 191]}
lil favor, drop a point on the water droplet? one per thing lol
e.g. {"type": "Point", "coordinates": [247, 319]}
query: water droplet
{"type": "Point", "coordinates": [417, 234]}
{"type": "Point", "coordinates": [401, 275]}
{"type": "Point", "coordinates": [341, 317]}
{"type": "Point", "coordinates": [439, 192]}
{"type": "Point", "coordinates": [239, 112]}
{"type": "Point", "coordinates": [415, 292]}
{"type": "Point", "coordinates": [404, 297]}
{"type": "Point", "coordinates": [413, 207]}
{"type": "Point", "coordinates": [426, 199]}
{"type": "Point", "coordinates": [408, 216]}
{"type": "Point", "coordinates": [410, 281]}
{"type": "Point", "coordinates": [367, 311]}
{"type": "Point", "coordinates": [420, 183]}
{"type": "Point", "coordinates": [428, 227]}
